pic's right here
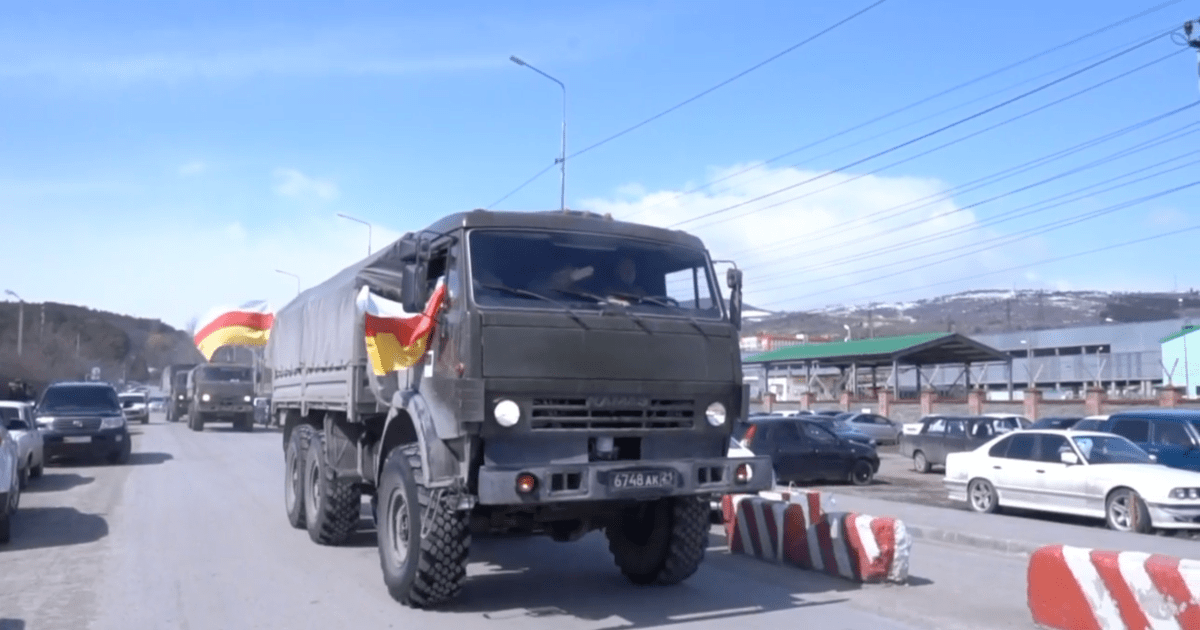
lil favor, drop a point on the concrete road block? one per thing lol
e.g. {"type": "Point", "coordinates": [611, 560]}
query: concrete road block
{"type": "Point", "coordinates": [758, 529]}
{"type": "Point", "coordinates": [807, 501]}
{"type": "Point", "coordinates": [1072, 588]}
{"type": "Point", "coordinates": [856, 547]}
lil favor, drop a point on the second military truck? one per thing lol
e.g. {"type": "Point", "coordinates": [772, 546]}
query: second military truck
{"type": "Point", "coordinates": [218, 392]}
{"type": "Point", "coordinates": [581, 374]}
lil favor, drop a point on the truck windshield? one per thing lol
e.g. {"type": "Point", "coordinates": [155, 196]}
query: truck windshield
{"type": "Point", "coordinates": [227, 374]}
{"type": "Point", "coordinates": [585, 270]}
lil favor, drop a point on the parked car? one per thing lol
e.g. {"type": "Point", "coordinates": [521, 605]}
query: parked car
{"type": "Point", "coordinates": [844, 430]}
{"type": "Point", "coordinates": [1022, 421]}
{"type": "Point", "coordinates": [1088, 473]}
{"type": "Point", "coordinates": [941, 435]}
{"type": "Point", "coordinates": [882, 429]}
{"type": "Point", "coordinates": [1172, 436]}
{"type": "Point", "coordinates": [1056, 422]}
{"type": "Point", "coordinates": [136, 406]}
{"type": "Point", "coordinates": [1090, 423]}
{"type": "Point", "coordinates": [83, 418]}
{"type": "Point", "coordinates": [10, 483]}
{"type": "Point", "coordinates": [17, 417]}
{"type": "Point", "coordinates": [806, 449]}
{"type": "Point", "coordinates": [157, 404]}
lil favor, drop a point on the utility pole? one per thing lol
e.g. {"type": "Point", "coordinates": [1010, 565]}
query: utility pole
{"type": "Point", "coordinates": [870, 317]}
{"type": "Point", "coordinates": [20, 323]}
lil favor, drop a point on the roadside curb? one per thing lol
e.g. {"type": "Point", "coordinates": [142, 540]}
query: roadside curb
{"type": "Point", "coordinates": [1011, 547]}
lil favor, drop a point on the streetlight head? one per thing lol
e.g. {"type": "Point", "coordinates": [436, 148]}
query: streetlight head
{"type": "Point", "coordinates": [517, 60]}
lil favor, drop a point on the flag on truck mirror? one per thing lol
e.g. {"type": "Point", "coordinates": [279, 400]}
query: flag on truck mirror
{"type": "Point", "coordinates": [245, 325]}
{"type": "Point", "coordinates": [396, 339]}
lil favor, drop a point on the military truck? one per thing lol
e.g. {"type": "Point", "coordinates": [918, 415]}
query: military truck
{"type": "Point", "coordinates": [581, 374]}
{"type": "Point", "coordinates": [220, 392]}
{"type": "Point", "coordinates": [174, 385]}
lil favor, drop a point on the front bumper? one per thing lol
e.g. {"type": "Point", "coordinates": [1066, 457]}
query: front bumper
{"type": "Point", "coordinates": [68, 443]}
{"type": "Point", "coordinates": [956, 489]}
{"type": "Point", "coordinates": [1174, 515]}
{"type": "Point", "coordinates": [591, 481]}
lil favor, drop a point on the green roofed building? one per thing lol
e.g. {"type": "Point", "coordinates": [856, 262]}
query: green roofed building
{"type": "Point", "coordinates": [878, 362]}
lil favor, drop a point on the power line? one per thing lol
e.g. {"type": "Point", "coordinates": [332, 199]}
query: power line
{"type": "Point", "coordinates": [726, 81]}
{"type": "Point", "coordinates": [981, 182]}
{"type": "Point", "coordinates": [526, 183]}
{"type": "Point", "coordinates": [1006, 239]}
{"type": "Point", "coordinates": [912, 157]}
{"type": "Point", "coordinates": [1170, 136]}
{"type": "Point", "coordinates": [1033, 264]}
{"type": "Point", "coordinates": [922, 101]}
{"type": "Point", "coordinates": [924, 136]}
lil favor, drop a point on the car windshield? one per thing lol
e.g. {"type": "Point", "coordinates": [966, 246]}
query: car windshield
{"type": "Point", "coordinates": [1110, 449]}
{"type": "Point", "coordinates": [515, 268]}
{"type": "Point", "coordinates": [68, 398]}
{"type": "Point", "coordinates": [226, 374]}
{"type": "Point", "coordinates": [10, 413]}
{"type": "Point", "coordinates": [132, 398]}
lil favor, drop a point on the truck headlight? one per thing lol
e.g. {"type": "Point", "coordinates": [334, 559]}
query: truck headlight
{"type": "Point", "coordinates": [205, 397]}
{"type": "Point", "coordinates": [715, 414]}
{"type": "Point", "coordinates": [245, 399]}
{"type": "Point", "coordinates": [114, 422]}
{"type": "Point", "coordinates": [181, 397]}
{"type": "Point", "coordinates": [507, 412]}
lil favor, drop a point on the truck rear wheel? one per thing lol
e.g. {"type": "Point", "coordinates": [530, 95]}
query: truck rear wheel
{"type": "Point", "coordinates": [331, 506]}
{"type": "Point", "coordinates": [660, 541]}
{"type": "Point", "coordinates": [424, 562]}
{"type": "Point", "coordinates": [293, 484]}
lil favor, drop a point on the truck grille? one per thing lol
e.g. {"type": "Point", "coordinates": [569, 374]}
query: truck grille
{"type": "Point", "coordinates": [76, 424]}
{"type": "Point", "coordinates": [577, 414]}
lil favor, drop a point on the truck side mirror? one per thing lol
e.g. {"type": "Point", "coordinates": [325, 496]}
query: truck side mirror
{"type": "Point", "coordinates": [412, 288]}
{"type": "Point", "coordinates": [733, 278]}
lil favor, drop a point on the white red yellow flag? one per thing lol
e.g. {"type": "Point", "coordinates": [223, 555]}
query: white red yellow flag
{"type": "Point", "coordinates": [245, 325]}
{"type": "Point", "coordinates": [395, 338]}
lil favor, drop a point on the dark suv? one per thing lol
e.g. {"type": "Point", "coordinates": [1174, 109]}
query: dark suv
{"type": "Point", "coordinates": [1172, 436]}
{"type": "Point", "coordinates": [83, 419]}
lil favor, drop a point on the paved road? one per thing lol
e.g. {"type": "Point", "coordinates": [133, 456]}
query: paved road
{"type": "Point", "coordinates": [192, 535]}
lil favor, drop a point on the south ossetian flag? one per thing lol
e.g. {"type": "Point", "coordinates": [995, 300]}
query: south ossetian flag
{"type": "Point", "coordinates": [245, 325]}
{"type": "Point", "coordinates": [397, 339]}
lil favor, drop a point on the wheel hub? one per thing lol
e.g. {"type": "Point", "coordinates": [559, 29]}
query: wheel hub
{"type": "Point", "coordinates": [401, 528]}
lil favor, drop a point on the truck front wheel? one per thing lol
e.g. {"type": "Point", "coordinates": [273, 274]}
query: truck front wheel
{"type": "Point", "coordinates": [331, 506]}
{"type": "Point", "coordinates": [424, 562]}
{"type": "Point", "coordinates": [660, 541]}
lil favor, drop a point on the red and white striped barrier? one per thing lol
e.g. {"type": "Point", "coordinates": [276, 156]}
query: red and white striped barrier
{"type": "Point", "coordinates": [852, 546]}
{"type": "Point", "coordinates": [806, 511]}
{"type": "Point", "coordinates": [1071, 588]}
{"type": "Point", "coordinates": [758, 528]}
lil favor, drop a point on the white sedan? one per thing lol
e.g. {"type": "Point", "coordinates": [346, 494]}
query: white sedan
{"type": "Point", "coordinates": [1085, 473]}
{"type": "Point", "coordinates": [10, 483]}
{"type": "Point", "coordinates": [18, 419]}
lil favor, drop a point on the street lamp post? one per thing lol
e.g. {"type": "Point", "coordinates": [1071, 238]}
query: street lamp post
{"type": "Point", "coordinates": [562, 159]}
{"type": "Point", "coordinates": [20, 322]}
{"type": "Point", "coordinates": [346, 216]}
{"type": "Point", "coordinates": [1028, 361]}
{"type": "Point", "coordinates": [288, 273]}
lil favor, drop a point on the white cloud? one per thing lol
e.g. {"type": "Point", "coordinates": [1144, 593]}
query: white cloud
{"type": "Point", "coordinates": [811, 251]}
{"type": "Point", "coordinates": [193, 168]}
{"type": "Point", "coordinates": [290, 182]}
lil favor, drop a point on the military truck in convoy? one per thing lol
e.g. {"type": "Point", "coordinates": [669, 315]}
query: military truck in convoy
{"type": "Point", "coordinates": [581, 374]}
{"type": "Point", "coordinates": [220, 392]}
{"type": "Point", "coordinates": [174, 386]}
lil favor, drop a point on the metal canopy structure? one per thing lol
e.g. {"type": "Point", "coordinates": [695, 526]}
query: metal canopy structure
{"type": "Point", "coordinates": [921, 350]}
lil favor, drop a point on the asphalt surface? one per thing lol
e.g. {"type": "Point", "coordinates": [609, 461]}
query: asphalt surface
{"type": "Point", "coordinates": [192, 534]}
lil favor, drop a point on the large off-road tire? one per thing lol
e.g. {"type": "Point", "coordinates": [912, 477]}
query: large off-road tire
{"type": "Point", "coordinates": [293, 484]}
{"type": "Point", "coordinates": [331, 506]}
{"type": "Point", "coordinates": [424, 562]}
{"type": "Point", "coordinates": [195, 421]}
{"type": "Point", "coordinates": [660, 541]}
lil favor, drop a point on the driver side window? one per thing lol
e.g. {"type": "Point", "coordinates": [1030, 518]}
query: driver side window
{"type": "Point", "coordinates": [690, 287]}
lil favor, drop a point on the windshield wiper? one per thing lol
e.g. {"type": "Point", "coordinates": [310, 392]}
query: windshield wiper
{"type": "Point", "coordinates": [603, 300]}
{"type": "Point", "coordinates": [665, 303]}
{"type": "Point", "coordinates": [530, 294]}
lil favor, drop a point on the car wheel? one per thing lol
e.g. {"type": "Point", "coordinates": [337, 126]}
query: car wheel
{"type": "Point", "coordinates": [23, 474]}
{"type": "Point", "coordinates": [920, 464]}
{"type": "Point", "coordinates": [1126, 512]}
{"type": "Point", "coordinates": [37, 470]}
{"type": "Point", "coordinates": [862, 472]}
{"type": "Point", "coordinates": [982, 496]}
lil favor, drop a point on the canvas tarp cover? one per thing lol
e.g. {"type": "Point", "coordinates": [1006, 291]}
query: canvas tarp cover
{"type": "Point", "coordinates": [322, 327]}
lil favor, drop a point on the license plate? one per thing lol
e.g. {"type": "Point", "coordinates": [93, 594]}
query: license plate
{"type": "Point", "coordinates": [77, 440]}
{"type": "Point", "coordinates": [637, 479]}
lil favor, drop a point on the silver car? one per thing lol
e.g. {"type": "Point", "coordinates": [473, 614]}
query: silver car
{"type": "Point", "coordinates": [17, 417]}
{"type": "Point", "coordinates": [882, 430]}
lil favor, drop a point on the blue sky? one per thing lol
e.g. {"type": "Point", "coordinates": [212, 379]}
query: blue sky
{"type": "Point", "coordinates": [158, 159]}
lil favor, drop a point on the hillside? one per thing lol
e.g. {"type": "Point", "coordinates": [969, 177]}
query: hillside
{"type": "Point", "coordinates": [63, 341]}
{"type": "Point", "coordinates": [975, 312]}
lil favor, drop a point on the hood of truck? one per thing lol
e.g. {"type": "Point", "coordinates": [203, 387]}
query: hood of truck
{"type": "Point", "coordinates": [552, 345]}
